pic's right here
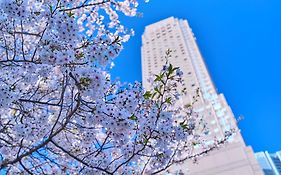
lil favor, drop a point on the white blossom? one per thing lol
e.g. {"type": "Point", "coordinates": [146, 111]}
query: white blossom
{"type": "Point", "coordinates": [60, 113]}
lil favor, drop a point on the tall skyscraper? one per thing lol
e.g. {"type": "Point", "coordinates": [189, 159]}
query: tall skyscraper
{"type": "Point", "coordinates": [270, 163]}
{"type": "Point", "coordinates": [235, 158]}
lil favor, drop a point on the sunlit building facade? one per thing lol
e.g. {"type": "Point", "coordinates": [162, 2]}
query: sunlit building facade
{"type": "Point", "coordinates": [235, 158]}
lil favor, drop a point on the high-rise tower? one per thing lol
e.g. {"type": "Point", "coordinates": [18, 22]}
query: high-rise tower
{"type": "Point", "coordinates": [235, 158]}
{"type": "Point", "coordinates": [270, 163]}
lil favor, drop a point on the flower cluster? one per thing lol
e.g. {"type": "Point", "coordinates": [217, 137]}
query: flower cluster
{"type": "Point", "coordinates": [16, 9]}
{"type": "Point", "coordinates": [59, 111]}
{"type": "Point", "coordinates": [6, 95]}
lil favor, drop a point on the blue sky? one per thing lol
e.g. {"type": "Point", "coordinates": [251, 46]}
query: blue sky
{"type": "Point", "coordinates": [240, 41]}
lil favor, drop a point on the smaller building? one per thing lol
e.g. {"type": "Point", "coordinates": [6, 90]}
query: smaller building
{"type": "Point", "coordinates": [270, 163]}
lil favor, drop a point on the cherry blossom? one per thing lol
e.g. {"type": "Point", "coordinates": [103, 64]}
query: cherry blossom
{"type": "Point", "coordinates": [60, 112]}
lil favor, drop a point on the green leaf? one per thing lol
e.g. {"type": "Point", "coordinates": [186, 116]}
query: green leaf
{"type": "Point", "coordinates": [170, 68]}
{"type": "Point", "coordinates": [183, 125]}
{"type": "Point", "coordinates": [161, 87]}
{"type": "Point", "coordinates": [158, 78]}
{"type": "Point", "coordinates": [169, 100]}
{"type": "Point", "coordinates": [80, 55]}
{"type": "Point", "coordinates": [133, 117]}
{"type": "Point", "coordinates": [157, 90]}
{"type": "Point", "coordinates": [175, 68]}
{"type": "Point", "coordinates": [153, 95]}
{"type": "Point", "coordinates": [70, 14]}
{"type": "Point", "coordinates": [51, 8]}
{"type": "Point", "coordinates": [145, 141]}
{"type": "Point", "coordinates": [147, 95]}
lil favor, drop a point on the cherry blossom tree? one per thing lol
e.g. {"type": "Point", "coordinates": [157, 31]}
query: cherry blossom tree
{"type": "Point", "coordinates": [59, 111]}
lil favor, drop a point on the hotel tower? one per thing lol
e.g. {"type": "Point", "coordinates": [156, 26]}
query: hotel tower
{"type": "Point", "coordinates": [235, 158]}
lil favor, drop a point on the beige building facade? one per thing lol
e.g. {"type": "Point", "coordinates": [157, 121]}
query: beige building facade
{"type": "Point", "coordinates": [235, 158]}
